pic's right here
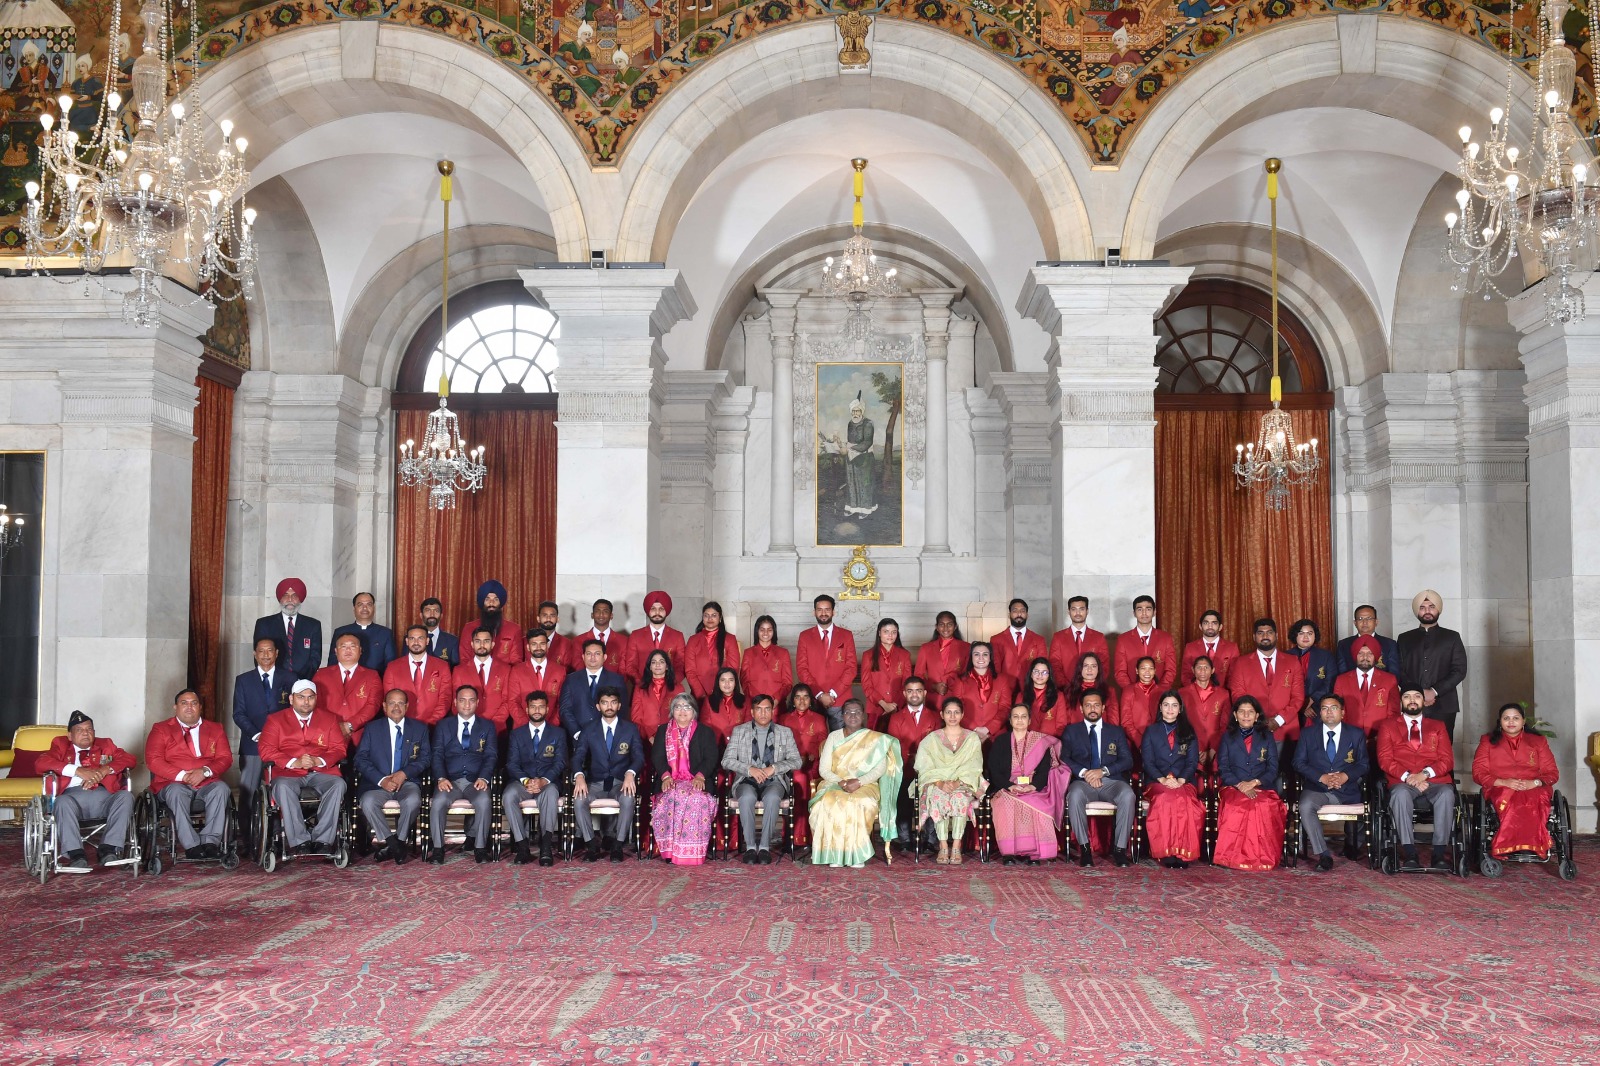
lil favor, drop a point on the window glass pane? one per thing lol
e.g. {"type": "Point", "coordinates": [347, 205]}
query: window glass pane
{"type": "Point", "coordinates": [505, 344]}
{"type": "Point", "coordinates": [1214, 348]}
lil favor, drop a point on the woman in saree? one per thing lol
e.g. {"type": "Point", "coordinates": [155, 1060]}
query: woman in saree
{"type": "Point", "coordinates": [1250, 815]}
{"type": "Point", "coordinates": [686, 756]}
{"type": "Point", "coordinates": [949, 774]}
{"type": "Point", "coordinates": [1024, 796]}
{"type": "Point", "coordinates": [1517, 774]}
{"type": "Point", "coordinates": [860, 770]}
{"type": "Point", "coordinates": [1171, 759]}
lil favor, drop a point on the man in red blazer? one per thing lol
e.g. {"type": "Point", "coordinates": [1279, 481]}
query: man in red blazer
{"type": "Point", "coordinates": [563, 650]}
{"type": "Point", "coordinates": [493, 616]}
{"type": "Point", "coordinates": [646, 639]}
{"type": "Point", "coordinates": [619, 651]}
{"type": "Point", "coordinates": [1275, 681]}
{"type": "Point", "coordinates": [826, 660]}
{"type": "Point", "coordinates": [1016, 648]}
{"type": "Point", "coordinates": [1145, 639]}
{"type": "Point", "coordinates": [1222, 653]}
{"type": "Point", "coordinates": [305, 745]}
{"type": "Point", "coordinates": [1070, 644]}
{"type": "Point", "coordinates": [538, 673]}
{"type": "Point", "coordinates": [1371, 696]}
{"type": "Point", "coordinates": [491, 677]}
{"type": "Point", "coordinates": [425, 678]}
{"type": "Point", "coordinates": [187, 757]}
{"type": "Point", "coordinates": [89, 789]}
{"type": "Point", "coordinates": [1416, 756]}
{"type": "Point", "coordinates": [347, 690]}
{"type": "Point", "coordinates": [909, 725]}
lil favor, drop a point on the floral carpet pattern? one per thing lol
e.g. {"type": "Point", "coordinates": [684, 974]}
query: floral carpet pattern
{"type": "Point", "coordinates": [646, 963]}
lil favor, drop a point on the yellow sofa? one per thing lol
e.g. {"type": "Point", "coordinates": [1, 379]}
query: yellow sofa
{"type": "Point", "coordinates": [17, 792]}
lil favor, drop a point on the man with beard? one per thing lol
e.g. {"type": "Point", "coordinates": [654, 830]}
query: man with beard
{"type": "Point", "coordinates": [1275, 681]}
{"type": "Point", "coordinates": [423, 677]}
{"type": "Point", "coordinates": [1017, 647]}
{"type": "Point", "coordinates": [563, 650]}
{"type": "Point", "coordinates": [300, 634]}
{"type": "Point", "coordinates": [1222, 653]}
{"type": "Point", "coordinates": [1433, 659]}
{"type": "Point", "coordinates": [1069, 645]}
{"type": "Point", "coordinates": [538, 673]}
{"type": "Point", "coordinates": [1416, 756]}
{"type": "Point", "coordinates": [646, 639]}
{"type": "Point", "coordinates": [491, 679]}
{"type": "Point", "coordinates": [446, 646]}
{"type": "Point", "coordinates": [502, 628]}
{"type": "Point", "coordinates": [826, 661]}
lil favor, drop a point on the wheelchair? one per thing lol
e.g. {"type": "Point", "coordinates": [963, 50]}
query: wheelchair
{"type": "Point", "coordinates": [41, 834]}
{"type": "Point", "coordinates": [1386, 838]}
{"type": "Point", "coordinates": [158, 836]}
{"type": "Point", "coordinates": [1486, 823]}
{"type": "Point", "coordinates": [269, 835]}
{"type": "Point", "coordinates": [1347, 820]}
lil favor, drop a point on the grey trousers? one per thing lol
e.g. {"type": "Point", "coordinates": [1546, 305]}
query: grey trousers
{"type": "Point", "coordinates": [329, 790]}
{"type": "Point", "coordinates": [1081, 794]}
{"type": "Point", "coordinates": [408, 795]}
{"type": "Point", "coordinates": [1310, 804]}
{"type": "Point", "coordinates": [460, 788]}
{"type": "Point", "coordinates": [549, 800]}
{"type": "Point", "coordinates": [624, 827]}
{"type": "Point", "coordinates": [78, 805]}
{"type": "Point", "coordinates": [179, 798]}
{"type": "Point", "coordinates": [1441, 797]}
{"type": "Point", "coordinates": [249, 790]}
{"type": "Point", "coordinates": [771, 796]}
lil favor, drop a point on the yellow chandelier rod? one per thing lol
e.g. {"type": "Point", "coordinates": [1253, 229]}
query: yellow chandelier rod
{"type": "Point", "coordinates": [446, 169]}
{"type": "Point", "coordinates": [1273, 166]}
{"type": "Point", "coordinates": [857, 214]}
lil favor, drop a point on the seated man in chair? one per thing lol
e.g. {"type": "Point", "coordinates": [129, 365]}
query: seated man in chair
{"type": "Point", "coordinates": [187, 758]}
{"type": "Point", "coordinates": [1099, 757]}
{"type": "Point", "coordinates": [1416, 756]}
{"type": "Point", "coordinates": [465, 747]}
{"type": "Point", "coordinates": [393, 755]}
{"type": "Point", "coordinates": [763, 757]}
{"type": "Point", "coordinates": [1332, 763]}
{"type": "Point", "coordinates": [90, 790]}
{"type": "Point", "coordinates": [305, 746]}
{"type": "Point", "coordinates": [533, 770]}
{"type": "Point", "coordinates": [607, 758]}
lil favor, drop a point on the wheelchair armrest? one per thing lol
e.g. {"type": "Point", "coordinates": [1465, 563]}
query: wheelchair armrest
{"type": "Point", "coordinates": [7, 757]}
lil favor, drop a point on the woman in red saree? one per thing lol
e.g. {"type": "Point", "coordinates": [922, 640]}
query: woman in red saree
{"type": "Point", "coordinates": [1091, 674]}
{"type": "Point", "coordinates": [985, 695]}
{"type": "Point", "coordinates": [708, 649]}
{"type": "Point", "coordinates": [1171, 754]}
{"type": "Point", "coordinates": [1207, 705]}
{"type": "Point", "coordinates": [942, 659]}
{"type": "Point", "coordinates": [766, 668]}
{"type": "Point", "coordinates": [884, 669]}
{"type": "Point", "coordinates": [1250, 815]}
{"type": "Point", "coordinates": [1024, 796]}
{"type": "Point", "coordinates": [727, 707]}
{"type": "Point", "coordinates": [1048, 711]}
{"type": "Point", "coordinates": [1517, 774]}
{"type": "Point", "coordinates": [653, 694]}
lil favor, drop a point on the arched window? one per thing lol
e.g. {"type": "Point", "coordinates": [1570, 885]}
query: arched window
{"type": "Point", "coordinates": [1216, 340]}
{"type": "Point", "coordinates": [501, 342]}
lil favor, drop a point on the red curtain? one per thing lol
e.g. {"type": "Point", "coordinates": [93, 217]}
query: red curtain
{"type": "Point", "coordinates": [507, 530]}
{"type": "Point", "coordinates": [1217, 545]}
{"type": "Point", "coordinates": [208, 527]}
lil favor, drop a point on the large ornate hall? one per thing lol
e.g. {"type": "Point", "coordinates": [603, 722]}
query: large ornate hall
{"type": "Point", "coordinates": [1141, 451]}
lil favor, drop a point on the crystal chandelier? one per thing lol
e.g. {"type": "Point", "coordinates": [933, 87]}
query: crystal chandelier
{"type": "Point", "coordinates": [444, 463]}
{"type": "Point", "coordinates": [10, 531]}
{"type": "Point", "coordinates": [142, 185]}
{"type": "Point", "coordinates": [1545, 202]}
{"type": "Point", "coordinates": [1275, 462]}
{"type": "Point", "coordinates": [854, 276]}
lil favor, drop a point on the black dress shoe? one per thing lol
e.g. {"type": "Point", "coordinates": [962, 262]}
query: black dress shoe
{"type": "Point", "coordinates": [109, 855]}
{"type": "Point", "coordinates": [1120, 857]}
{"type": "Point", "coordinates": [1085, 856]}
{"type": "Point", "coordinates": [1172, 862]}
{"type": "Point", "coordinates": [1325, 862]}
{"type": "Point", "coordinates": [1007, 860]}
{"type": "Point", "coordinates": [591, 852]}
{"type": "Point", "coordinates": [480, 854]}
{"type": "Point", "coordinates": [1442, 859]}
{"type": "Point", "coordinates": [436, 858]}
{"type": "Point", "coordinates": [524, 854]}
{"type": "Point", "coordinates": [1409, 862]}
{"type": "Point", "coordinates": [399, 850]}
{"type": "Point", "coordinates": [764, 857]}
{"type": "Point", "coordinates": [547, 843]}
{"type": "Point", "coordinates": [616, 851]}
{"type": "Point", "coordinates": [1351, 851]}
{"type": "Point", "coordinates": [383, 854]}
{"type": "Point", "coordinates": [749, 857]}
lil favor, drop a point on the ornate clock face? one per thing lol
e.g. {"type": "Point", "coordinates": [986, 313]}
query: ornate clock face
{"type": "Point", "coordinates": [858, 570]}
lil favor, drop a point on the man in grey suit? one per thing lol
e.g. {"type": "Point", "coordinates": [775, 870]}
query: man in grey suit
{"type": "Point", "coordinates": [762, 757]}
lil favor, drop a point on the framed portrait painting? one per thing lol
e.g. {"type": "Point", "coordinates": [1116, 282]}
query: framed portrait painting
{"type": "Point", "coordinates": [859, 453]}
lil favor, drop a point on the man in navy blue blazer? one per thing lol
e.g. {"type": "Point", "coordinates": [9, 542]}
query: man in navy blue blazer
{"type": "Point", "coordinates": [299, 635]}
{"type": "Point", "coordinates": [390, 761]}
{"type": "Point", "coordinates": [580, 692]}
{"type": "Point", "coordinates": [1332, 762]}
{"type": "Point", "coordinates": [533, 772]}
{"type": "Point", "coordinates": [377, 642]}
{"type": "Point", "coordinates": [1100, 758]}
{"type": "Point", "coordinates": [257, 693]}
{"type": "Point", "coordinates": [606, 759]}
{"type": "Point", "coordinates": [464, 753]}
{"type": "Point", "coordinates": [446, 646]}
{"type": "Point", "coordinates": [1366, 620]}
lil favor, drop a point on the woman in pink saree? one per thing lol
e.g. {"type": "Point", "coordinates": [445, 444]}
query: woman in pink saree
{"type": "Point", "coordinates": [1024, 796]}
{"type": "Point", "coordinates": [686, 758]}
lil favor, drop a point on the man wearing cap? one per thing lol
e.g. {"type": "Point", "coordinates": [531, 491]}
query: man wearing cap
{"type": "Point", "coordinates": [493, 616]}
{"type": "Point", "coordinates": [424, 677]}
{"type": "Point", "coordinates": [187, 757]}
{"type": "Point", "coordinates": [1366, 620]}
{"type": "Point", "coordinates": [1416, 756]}
{"type": "Point", "coordinates": [446, 646]}
{"type": "Point", "coordinates": [646, 639]}
{"type": "Point", "coordinates": [1370, 695]}
{"type": "Point", "coordinates": [348, 690]}
{"type": "Point", "coordinates": [304, 746]}
{"type": "Point", "coordinates": [299, 635]}
{"type": "Point", "coordinates": [258, 693]}
{"type": "Point", "coordinates": [377, 642]}
{"type": "Point", "coordinates": [394, 753]}
{"type": "Point", "coordinates": [89, 790]}
{"type": "Point", "coordinates": [1434, 659]}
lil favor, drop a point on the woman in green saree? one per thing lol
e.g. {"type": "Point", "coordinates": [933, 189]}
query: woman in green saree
{"type": "Point", "coordinates": [860, 770]}
{"type": "Point", "coordinates": [949, 780]}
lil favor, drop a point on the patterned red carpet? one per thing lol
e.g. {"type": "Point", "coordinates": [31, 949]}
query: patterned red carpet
{"type": "Point", "coordinates": [645, 963]}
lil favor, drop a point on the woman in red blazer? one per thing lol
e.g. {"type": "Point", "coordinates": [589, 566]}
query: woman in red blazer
{"type": "Point", "coordinates": [766, 668]}
{"type": "Point", "coordinates": [884, 669]}
{"type": "Point", "coordinates": [1518, 775]}
{"type": "Point", "coordinates": [710, 648]}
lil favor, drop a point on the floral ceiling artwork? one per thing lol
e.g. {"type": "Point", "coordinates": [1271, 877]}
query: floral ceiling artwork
{"type": "Point", "coordinates": [604, 64]}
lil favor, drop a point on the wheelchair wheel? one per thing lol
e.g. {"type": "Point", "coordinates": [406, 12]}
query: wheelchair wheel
{"type": "Point", "coordinates": [36, 856]}
{"type": "Point", "coordinates": [1391, 862]}
{"type": "Point", "coordinates": [266, 850]}
{"type": "Point", "coordinates": [1568, 869]}
{"type": "Point", "coordinates": [341, 855]}
{"type": "Point", "coordinates": [1489, 866]}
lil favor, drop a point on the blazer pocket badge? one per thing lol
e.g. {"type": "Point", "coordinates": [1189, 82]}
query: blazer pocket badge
{"type": "Point", "coordinates": [1322, 673]}
{"type": "Point", "coordinates": [481, 742]}
{"type": "Point", "coordinates": [549, 751]}
{"type": "Point", "coordinates": [1350, 756]}
{"type": "Point", "coordinates": [622, 749]}
{"type": "Point", "coordinates": [1261, 756]}
{"type": "Point", "coordinates": [1183, 749]}
{"type": "Point", "coordinates": [1111, 748]}
{"type": "Point", "coordinates": [416, 750]}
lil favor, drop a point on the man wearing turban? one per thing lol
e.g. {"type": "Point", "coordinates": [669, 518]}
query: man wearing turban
{"type": "Point", "coordinates": [493, 616]}
{"type": "Point", "coordinates": [1433, 659]}
{"type": "Point", "coordinates": [298, 636]}
{"type": "Point", "coordinates": [646, 639]}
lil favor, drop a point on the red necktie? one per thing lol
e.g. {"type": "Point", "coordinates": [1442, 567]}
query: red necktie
{"type": "Point", "coordinates": [1363, 685]}
{"type": "Point", "coordinates": [657, 638]}
{"type": "Point", "coordinates": [484, 670]}
{"type": "Point", "coordinates": [77, 756]}
{"type": "Point", "coordinates": [827, 641]}
{"type": "Point", "coordinates": [1077, 639]}
{"type": "Point", "coordinates": [1016, 639]}
{"type": "Point", "coordinates": [1415, 736]}
{"type": "Point", "coordinates": [538, 677]}
{"type": "Point", "coordinates": [1172, 740]}
{"type": "Point", "coordinates": [1272, 668]}
{"type": "Point", "coordinates": [1249, 741]}
{"type": "Point", "coordinates": [1211, 650]}
{"type": "Point", "coordinates": [188, 739]}
{"type": "Point", "coordinates": [1146, 638]}
{"type": "Point", "coordinates": [416, 673]}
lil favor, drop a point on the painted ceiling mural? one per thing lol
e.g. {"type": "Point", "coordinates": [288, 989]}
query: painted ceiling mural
{"type": "Point", "coordinates": [604, 64]}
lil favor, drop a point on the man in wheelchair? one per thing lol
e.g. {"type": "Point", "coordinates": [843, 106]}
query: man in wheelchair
{"type": "Point", "coordinates": [187, 758]}
{"type": "Point", "coordinates": [90, 788]}
{"type": "Point", "coordinates": [304, 746]}
{"type": "Point", "coordinates": [1418, 762]}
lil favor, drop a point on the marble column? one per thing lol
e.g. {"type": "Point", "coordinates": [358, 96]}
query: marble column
{"type": "Point", "coordinates": [1102, 390]}
{"type": "Point", "coordinates": [608, 425]}
{"type": "Point", "coordinates": [1563, 399]}
{"type": "Point", "coordinates": [781, 533]}
{"type": "Point", "coordinates": [1024, 401]}
{"type": "Point", "coordinates": [936, 339]}
{"type": "Point", "coordinates": [112, 407]}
